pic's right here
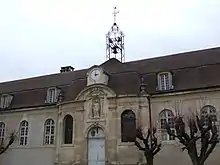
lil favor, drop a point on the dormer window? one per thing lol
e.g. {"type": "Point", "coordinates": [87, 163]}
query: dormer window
{"type": "Point", "coordinates": [164, 81]}
{"type": "Point", "coordinates": [6, 101]}
{"type": "Point", "coordinates": [52, 95]}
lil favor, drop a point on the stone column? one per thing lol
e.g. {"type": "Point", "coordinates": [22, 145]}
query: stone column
{"type": "Point", "coordinates": [112, 127]}
{"type": "Point", "coordinates": [143, 118]}
{"type": "Point", "coordinates": [58, 133]}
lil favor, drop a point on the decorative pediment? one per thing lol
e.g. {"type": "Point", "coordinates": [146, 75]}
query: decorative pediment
{"type": "Point", "coordinates": [96, 90]}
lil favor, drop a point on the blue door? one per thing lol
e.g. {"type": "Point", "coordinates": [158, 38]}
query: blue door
{"type": "Point", "coordinates": [96, 147]}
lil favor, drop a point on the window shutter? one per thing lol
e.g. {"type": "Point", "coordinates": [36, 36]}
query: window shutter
{"type": "Point", "coordinates": [9, 100]}
{"type": "Point", "coordinates": [2, 101]}
{"type": "Point", "coordinates": [57, 93]}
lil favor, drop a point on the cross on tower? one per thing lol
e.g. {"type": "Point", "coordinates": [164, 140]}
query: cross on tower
{"type": "Point", "coordinates": [115, 12]}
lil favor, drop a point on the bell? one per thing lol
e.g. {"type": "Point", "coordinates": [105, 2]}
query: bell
{"type": "Point", "coordinates": [110, 40]}
{"type": "Point", "coordinates": [115, 50]}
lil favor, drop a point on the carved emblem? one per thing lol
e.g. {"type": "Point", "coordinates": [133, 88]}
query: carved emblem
{"type": "Point", "coordinates": [97, 92]}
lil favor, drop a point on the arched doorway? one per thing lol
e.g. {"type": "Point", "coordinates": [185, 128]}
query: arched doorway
{"type": "Point", "coordinates": [96, 146]}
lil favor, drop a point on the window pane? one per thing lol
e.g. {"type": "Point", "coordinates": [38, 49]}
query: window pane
{"type": "Point", "coordinates": [52, 95]}
{"type": "Point", "coordinates": [207, 112]}
{"type": "Point", "coordinates": [68, 132]}
{"type": "Point", "coordinates": [52, 140]}
{"type": "Point", "coordinates": [172, 137]}
{"type": "Point", "coordinates": [2, 130]}
{"type": "Point", "coordinates": [23, 132]}
{"type": "Point", "coordinates": [163, 123]}
{"type": "Point", "coordinates": [21, 140]}
{"type": "Point", "coordinates": [164, 81]}
{"type": "Point", "coordinates": [166, 116]}
{"type": "Point", "coordinates": [49, 132]}
{"type": "Point", "coordinates": [128, 126]}
{"type": "Point", "coordinates": [164, 136]}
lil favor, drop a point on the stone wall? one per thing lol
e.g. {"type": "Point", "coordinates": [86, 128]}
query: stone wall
{"type": "Point", "coordinates": [35, 152]}
{"type": "Point", "coordinates": [110, 121]}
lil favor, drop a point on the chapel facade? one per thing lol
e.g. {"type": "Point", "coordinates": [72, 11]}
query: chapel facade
{"type": "Point", "coordinates": [84, 117]}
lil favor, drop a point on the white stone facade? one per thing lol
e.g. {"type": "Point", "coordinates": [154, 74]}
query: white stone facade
{"type": "Point", "coordinates": [109, 120]}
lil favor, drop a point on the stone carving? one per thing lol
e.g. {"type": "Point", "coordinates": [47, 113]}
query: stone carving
{"type": "Point", "coordinates": [97, 92]}
{"type": "Point", "coordinates": [96, 107]}
{"type": "Point", "coordinates": [96, 97]}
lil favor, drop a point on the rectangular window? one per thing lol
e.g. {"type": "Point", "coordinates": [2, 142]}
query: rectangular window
{"type": "Point", "coordinates": [164, 81]}
{"type": "Point", "coordinates": [4, 101]}
{"type": "Point", "coordinates": [52, 95]}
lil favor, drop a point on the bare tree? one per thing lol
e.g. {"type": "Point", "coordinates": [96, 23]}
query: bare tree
{"type": "Point", "coordinates": [3, 146]}
{"type": "Point", "coordinates": [150, 145]}
{"type": "Point", "coordinates": [206, 133]}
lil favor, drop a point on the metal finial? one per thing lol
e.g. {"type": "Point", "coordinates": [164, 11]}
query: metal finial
{"type": "Point", "coordinates": [142, 85]}
{"type": "Point", "coordinates": [115, 12]}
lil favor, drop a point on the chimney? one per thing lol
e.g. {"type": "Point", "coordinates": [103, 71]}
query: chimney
{"type": "Point", "coordinates": [66, 69]}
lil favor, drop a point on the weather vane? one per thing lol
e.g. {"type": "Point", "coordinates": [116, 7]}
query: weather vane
{"type": "Point", "coordinates": [115, 12]}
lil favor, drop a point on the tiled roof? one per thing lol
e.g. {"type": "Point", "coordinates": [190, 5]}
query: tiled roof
{"type": "Point", "coordinates": [191, 70]}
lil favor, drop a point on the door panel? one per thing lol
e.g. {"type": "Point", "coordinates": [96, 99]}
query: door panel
{"type": "Point", "coordinates": [96, 151]}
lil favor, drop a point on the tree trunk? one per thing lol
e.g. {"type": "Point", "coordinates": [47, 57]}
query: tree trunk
{"type": "Point", "coordinates": [195, 159]}
{"type": "Point", "coordinates": [149, 158]}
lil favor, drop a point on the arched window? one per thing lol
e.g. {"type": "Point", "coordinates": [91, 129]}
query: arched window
{"type": "Point", "coordinates": [23, 133]}
{"type": "Point", "coordinates": [68, 129]}
{"type": "Point", "coordinates": [206, 112]}
{"type": "Point", "coordinates": [49, 131]}
{"type": "Point", "coordinates": [166, 116]}
{"type": "Point", "coordinates": [2, 132]}
{"type": "Point", "coordinates": [128, 126]}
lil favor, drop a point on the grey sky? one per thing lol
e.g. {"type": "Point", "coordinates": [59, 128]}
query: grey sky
{"type": "Point", "coordinates": [39, 36]}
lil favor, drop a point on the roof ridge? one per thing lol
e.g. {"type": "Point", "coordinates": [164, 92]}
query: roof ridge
{"type": "Point", "coordinates": [175, 54]}
{"type": "Point", "coordinates": [41, 76]}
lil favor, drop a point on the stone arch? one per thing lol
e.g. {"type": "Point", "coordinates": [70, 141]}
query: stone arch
{"type": "Point", "coordinates": [96, 130]}
{"type": "Point", "coordinates": [94, 125]}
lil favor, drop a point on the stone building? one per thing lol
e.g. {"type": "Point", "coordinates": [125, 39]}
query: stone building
{"type": "Point", "coordinates": [83, 116]}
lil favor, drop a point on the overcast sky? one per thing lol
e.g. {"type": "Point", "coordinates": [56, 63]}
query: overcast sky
{"type": "Point", "coordinates": [37, 37]}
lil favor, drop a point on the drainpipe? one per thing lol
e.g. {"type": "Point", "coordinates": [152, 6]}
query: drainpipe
{"type": "Point", "coordinates": [150, 117]}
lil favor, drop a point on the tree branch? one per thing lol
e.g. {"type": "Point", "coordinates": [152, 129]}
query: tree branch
{"type": "Point", "coordinates": [208, 152]}
{"type": "Point", "coordinates": [157, 150]}
{"type": "Point", "coordinates": [151, 145]}
{"type": "Point", "coordinates": [11, 140]}
{"type": "Point", "coordinates": [139, 146]}
{"type": "Point", "coordinates": [189, 140]}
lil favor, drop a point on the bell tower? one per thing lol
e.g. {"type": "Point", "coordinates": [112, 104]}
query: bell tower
{"type": "Point", "coordinates": [115, 41]}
